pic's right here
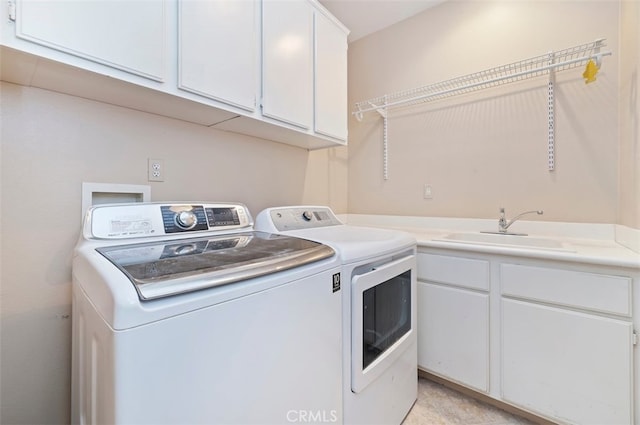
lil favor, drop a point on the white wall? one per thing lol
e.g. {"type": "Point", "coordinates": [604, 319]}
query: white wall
{"type": "Point", "coordinates": [51, 143]}
{"type": "Point", "coordinates": [489, 149]}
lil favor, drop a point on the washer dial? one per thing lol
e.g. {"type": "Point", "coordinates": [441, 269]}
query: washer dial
{"type": "Point", "coordinates": [186, 219]}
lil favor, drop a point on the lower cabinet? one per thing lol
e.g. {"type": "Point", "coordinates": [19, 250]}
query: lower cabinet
{"type": "Point", "coordinates": [567, 364]}
{"type": "Point", "coordinates": [555, 339]}
{"type": "Point", "coordinates": [453, 334]}
{"type": "Point", "coordinates": [567, 343]}
{"type": "Point", "coordinates": [453, 317]}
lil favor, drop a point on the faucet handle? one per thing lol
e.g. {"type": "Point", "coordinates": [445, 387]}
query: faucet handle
{"type": "Point", "coordinates": [502, 222]}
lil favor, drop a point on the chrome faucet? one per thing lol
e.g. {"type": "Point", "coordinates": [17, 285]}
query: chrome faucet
{"type": "Point", "coordinates": [503, 223]}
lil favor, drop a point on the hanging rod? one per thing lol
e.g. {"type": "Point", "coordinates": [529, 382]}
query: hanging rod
{"type": "Point", "coordinates": [517, 71]}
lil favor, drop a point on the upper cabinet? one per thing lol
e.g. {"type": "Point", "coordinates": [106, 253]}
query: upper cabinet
{"type": "Point", "coordinates": [331, 110]}
{"type": "Point", "coordinates": [218, 42]}
{"type": "Point", "coordinates": [304, 67]}
{"type": "Point", "coordinates": [126, 35]}
{"type": "Point", "coordinates": [287, 62]}
{"type": "Point", "coordinates": [274, 69]}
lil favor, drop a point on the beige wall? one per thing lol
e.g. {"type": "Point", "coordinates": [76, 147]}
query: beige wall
{"type": "Point", "coordinates": [629, 202]}
{"type": "Point", "coordinates": [488, 149]}
{"type": "Point", "coordinates": [51, 143]}
{"type": "Point", "coordinates": [478, 152]}
{"type": "Point", "coordinates": [326, 182]}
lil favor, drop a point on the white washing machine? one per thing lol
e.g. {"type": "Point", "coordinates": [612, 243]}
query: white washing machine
{"type": "Point", "coordinates": [378, 282]}
{"type": "Point", "coordinates": [183, 314]}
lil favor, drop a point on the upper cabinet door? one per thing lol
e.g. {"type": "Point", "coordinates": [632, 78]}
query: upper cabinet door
{"type": "Point", "coordinates": [287, 61]}
{"type": "Point", "coordinates": [331, 114]}
{"type": "Point", "coordinates": [126, 34]}
{"type": "Point", "coordinates": [218, 47]}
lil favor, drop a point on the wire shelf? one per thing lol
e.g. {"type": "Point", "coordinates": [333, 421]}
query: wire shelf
{"type": "Point", "coordinates": [529, 68]}
{"type": "Point", "coordinates": [533, 67]}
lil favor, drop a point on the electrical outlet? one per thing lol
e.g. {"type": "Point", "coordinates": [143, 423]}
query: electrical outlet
{"type": "Point", "coordinates": [428, 193]}
{"type": "Point", "coordinates": [155, 168]}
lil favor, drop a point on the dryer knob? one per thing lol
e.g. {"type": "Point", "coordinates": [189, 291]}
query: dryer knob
{"type": "Point", "coordinates": [307, 215]}
{"type": "Point", "coordinates": [186, 219]}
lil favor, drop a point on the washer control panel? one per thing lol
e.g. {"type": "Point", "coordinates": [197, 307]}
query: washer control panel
{"type": "Point", "coordinates": [183, 218]}
{"type": "Point", "coordinates": [122, 221]}
{"type": "Point", "coordinates": [296, 218]}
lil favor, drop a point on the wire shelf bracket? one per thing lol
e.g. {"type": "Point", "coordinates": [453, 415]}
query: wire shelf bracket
{"type": "Point", "coordinates": [551, 106]}
{"type": "Point", "coordinates": [537, 66]}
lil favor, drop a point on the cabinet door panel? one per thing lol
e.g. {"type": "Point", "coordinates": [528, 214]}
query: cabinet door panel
{"type": "Point", "coordinates": [469, 273]}
{"type": "Point", "coordinates": [566, 364]}
{"type": "Point", "coordinates": [124, 34]}
{"type": "Point", "coordinates": [453, 334]}
{"type": "Point", "coordinates": [287, 69]}
{"type": "Point", "coordinates": [596, 292]}
{"type": "Point", "coordinates": [331, 79]}
{"type": "Point", "coordinates": [218, 44]}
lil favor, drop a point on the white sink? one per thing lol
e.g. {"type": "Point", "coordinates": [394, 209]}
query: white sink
{"type": "Point", "coordinates": [507, 240]}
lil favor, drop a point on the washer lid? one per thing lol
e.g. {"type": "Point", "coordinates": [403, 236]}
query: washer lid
{"type": "Point", "coordinates": [163, 268]}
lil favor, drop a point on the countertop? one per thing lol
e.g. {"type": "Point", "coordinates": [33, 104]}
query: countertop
{"type": "Point", "coordinates": [599, 244]}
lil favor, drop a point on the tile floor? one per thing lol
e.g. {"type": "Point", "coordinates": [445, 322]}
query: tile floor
{"type": "Point", "coordinates": [439, 405]}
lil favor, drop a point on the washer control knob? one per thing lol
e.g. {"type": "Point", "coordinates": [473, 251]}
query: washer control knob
{"type": "Point", "coordinates": [307, 215]}
{"type": "Point", "coordinates": [186, 219]}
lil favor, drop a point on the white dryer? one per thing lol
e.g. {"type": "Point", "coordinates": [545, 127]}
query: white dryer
{"type": "Point", "coordinates": [378, 285]}
{"type": "Point", "coordinates": [183, 314]}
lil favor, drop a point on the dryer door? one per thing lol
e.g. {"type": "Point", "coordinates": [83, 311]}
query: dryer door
{"type": "Point", "coordinates": [383, 319]}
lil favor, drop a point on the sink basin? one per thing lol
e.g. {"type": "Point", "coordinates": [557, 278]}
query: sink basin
{"type": "Point", "coordinates": [506, 240]}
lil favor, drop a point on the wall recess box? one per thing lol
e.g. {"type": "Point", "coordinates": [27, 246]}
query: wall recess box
{"type": "Point", "coordinates": [113, 193]}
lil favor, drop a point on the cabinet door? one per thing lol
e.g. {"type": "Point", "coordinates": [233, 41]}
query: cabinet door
{"type": "Point", "coordinates": [453, 334]}
{"type": "Point", "coordinates": [566, 364]}
{"type": "Point", "coordinates": [218, 43]}
{"type": "Point", "coordinates": [330, 78]}
{"type": "Point", "coordinates": [127, 34]}
{"type": "Point", "coordinates": [287, 62]}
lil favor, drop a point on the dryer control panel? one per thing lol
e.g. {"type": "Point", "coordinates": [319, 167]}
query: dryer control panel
{"type": "Point", "coordinates": [296, 218]}
{"type": "Point", "coordinates": [140, 220]}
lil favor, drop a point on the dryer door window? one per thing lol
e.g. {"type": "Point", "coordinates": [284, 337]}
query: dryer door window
{"type": "Point", "coordinates": [386, 316]}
